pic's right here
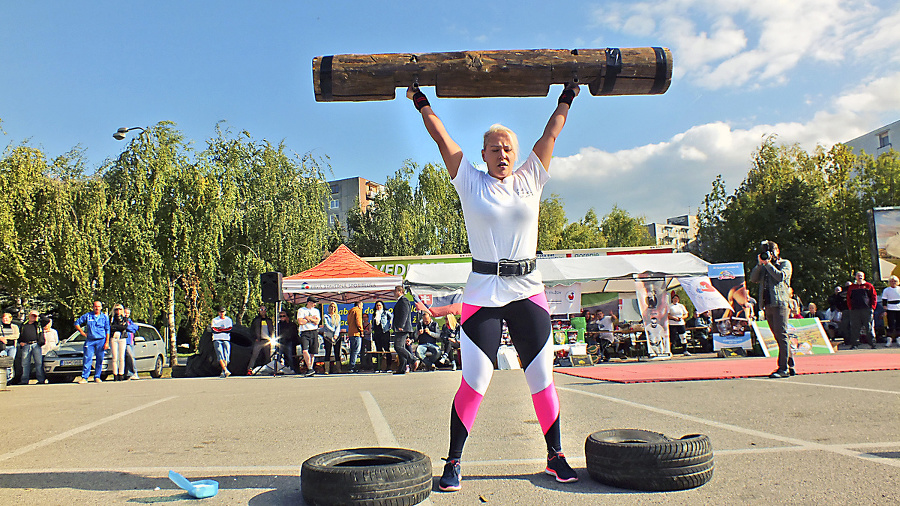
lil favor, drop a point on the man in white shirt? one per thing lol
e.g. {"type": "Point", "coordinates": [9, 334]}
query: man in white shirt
{"type": "Point", "coordinates": [308, 319]}
{"type": "Point", "coordinates": [221, 337]}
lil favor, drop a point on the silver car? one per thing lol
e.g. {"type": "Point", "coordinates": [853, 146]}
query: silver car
{"type": "Point", "coordinates": [65, 363]}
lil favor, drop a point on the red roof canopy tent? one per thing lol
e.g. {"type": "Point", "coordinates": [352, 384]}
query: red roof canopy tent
{"type": "Point", "coordinates": [343, 277]}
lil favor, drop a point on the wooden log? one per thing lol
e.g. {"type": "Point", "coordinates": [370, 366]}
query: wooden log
{"type": "Point", "coordinates": [513, 73]}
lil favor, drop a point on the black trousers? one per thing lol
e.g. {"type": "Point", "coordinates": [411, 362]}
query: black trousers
{"type": "Point", "coordinates": [403, 355]}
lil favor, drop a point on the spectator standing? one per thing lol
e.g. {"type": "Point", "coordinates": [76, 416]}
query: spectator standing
{"type": "Point", "coordinates": [427, 350]}
{"type": "Point", "coordinates": [703, 325]}
{"type": "Point", "coordinates": [51, 337]}
{"type": "Point", "coordinates": [861, 302]}
{"type": "Point", "coordinates": [606, 338]}
{"type": "Point", "coordinates": [31, 338]}
{"type": "Point", "coordinates": [890, 299]}
{"type": "Point", "coordinates": [262, 330]}
{"type": "Point", "coordinates": [118, 341]}
{"type": "Point", "coordinates": [331, 337]}
{"type": "Point", "coordinates": [308, 319]}
{"type": "Point", "coordinates": [773, 274]}
{"type": "Point", "coordinates": [591, 328]}
{"type": "Point", "coordinates": [289, 340]}
{"type": "Point", "coordinates": [381, 331]}
{"type": "Point", "coordinates": [366, 349]}
{"type": "Point", "coordinates": [94, 326]}
{"type": "Point", "coordinates": [450, 339]}
{"type": "Point", "coordinates": [403, 330]}
{"type": "Point", "coordinates": [837, 304]}
{"type": "Point", "coordinates": [221, 337]}
{"type": "Point", "coordinates": [9, 336]}
{"type": "Point", "coordinates": [795, 305]}
{"type": "Point", "coordinates": [131, 371]}
{"type": "Point", "coordinates": [355, 332]}
{"type": "Point", "coordinates": [677, 314]}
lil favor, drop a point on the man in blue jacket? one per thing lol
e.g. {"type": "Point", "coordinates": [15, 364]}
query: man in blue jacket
{"type": "Point", "coordinates": [94, 326]}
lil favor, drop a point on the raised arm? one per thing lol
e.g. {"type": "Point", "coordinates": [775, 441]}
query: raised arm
{"type": "Point", "coordinates": [543, 148]}
{"type": "Point", "coordinates": [450, 150]}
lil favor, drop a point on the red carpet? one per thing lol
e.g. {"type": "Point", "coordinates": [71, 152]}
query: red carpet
{"type": "Point", "coordinates": [736, 367]}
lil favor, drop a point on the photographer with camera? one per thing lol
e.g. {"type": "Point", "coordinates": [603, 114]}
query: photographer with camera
{"type": "Point", "coordinates": [773, 274]}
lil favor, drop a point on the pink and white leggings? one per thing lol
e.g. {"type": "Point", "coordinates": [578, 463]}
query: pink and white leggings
{"type": "Point", "coordinates": [528, 321]}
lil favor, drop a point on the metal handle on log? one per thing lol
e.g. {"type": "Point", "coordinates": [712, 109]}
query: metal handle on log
{"type": "Point", "coordinates": [473, 74]}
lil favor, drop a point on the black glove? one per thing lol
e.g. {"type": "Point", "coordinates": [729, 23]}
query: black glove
{"type": "Point", "coordinates": [567, 96]}
{"type": "Point", "coordinates": [420, 100]}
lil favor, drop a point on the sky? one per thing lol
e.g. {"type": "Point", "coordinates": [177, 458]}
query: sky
{"type": "Point", "coordinates": [813, 72]}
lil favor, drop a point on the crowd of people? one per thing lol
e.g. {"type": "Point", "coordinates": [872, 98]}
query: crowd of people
{"type": "Point", "coordinates": [424, 346]}
{"type": "Point", "coordinates": [28, 342]}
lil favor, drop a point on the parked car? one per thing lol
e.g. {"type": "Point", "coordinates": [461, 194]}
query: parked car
{"type": "Point", "coordinates": [64, 364]}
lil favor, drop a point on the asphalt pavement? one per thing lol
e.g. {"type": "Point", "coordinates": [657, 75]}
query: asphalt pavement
{"type": "Point", "coordinates": [816, 439]}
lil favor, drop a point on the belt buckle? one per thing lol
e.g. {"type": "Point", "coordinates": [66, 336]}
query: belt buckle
{"type": "Point", "coordinates": [507, 267]}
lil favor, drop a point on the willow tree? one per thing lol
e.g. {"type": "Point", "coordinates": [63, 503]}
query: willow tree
{"type": "Point", "coordinates": [53, 226]}
{"type": "Point", "coordinates": [274, 213]}
{"type": "Point", "coordinates": [167, 224]}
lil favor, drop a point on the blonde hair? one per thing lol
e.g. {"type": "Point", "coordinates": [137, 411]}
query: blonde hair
{"type": "Point", "coordinates": [119, 306]}
{"type": "Point", "coordinates": [894, 278]}
{"type": "Point", "coordinates": [451, 321]}
{"type": "Point", "coordinates": [498, 128]}
{"type": "Point", "coordinates": [332, 308]}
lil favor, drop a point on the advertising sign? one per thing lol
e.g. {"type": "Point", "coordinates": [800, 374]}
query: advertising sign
{"type": "Point", "coordinates": [806, 335]}
{"type": "Point", "coordinates": [654, 304]}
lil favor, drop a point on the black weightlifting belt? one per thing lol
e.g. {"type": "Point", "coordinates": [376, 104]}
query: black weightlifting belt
{"type": "Point", "coordinates": [505, 267]}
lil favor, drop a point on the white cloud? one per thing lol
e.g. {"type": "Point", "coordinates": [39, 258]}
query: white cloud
{"type": "Point", "coordinates": [670, 178]}
{"type": "Point", "coordinates": [752, 42]}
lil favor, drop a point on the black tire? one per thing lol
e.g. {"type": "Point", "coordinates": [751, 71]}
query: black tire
{"type": "Point", "coordinates": [158, 368]}
{"type": "Point", "coordinates": [643, 460]}
{"type": "Point", "coordinates": [366, 476]}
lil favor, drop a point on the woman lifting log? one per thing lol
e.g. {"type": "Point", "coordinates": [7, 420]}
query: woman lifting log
{"type": "Point", "coordinates": [501, 213]}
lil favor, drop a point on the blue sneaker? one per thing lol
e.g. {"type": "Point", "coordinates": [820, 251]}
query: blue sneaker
{"type": "Point", "coordinates": [450, 479]}
{"type": "Point", "coordinates": [558, 467]}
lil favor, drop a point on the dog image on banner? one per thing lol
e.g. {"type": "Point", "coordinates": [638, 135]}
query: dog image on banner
{"type": "Point", "coordinates": [654, 304]}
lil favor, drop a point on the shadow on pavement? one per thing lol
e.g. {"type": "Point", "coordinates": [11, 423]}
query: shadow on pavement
{"type": "Point", "coordinates": [584, 485]}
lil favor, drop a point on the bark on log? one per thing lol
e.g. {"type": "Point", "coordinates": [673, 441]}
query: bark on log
{"type": "Point", "coordinates": [471, 74]}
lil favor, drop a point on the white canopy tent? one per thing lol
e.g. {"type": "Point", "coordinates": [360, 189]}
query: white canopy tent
{"type": "Point", "coordinates": [610, 273]}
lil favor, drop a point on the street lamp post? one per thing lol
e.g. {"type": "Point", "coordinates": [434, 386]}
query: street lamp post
{"type": "Point", "coordinates": [120, 133]}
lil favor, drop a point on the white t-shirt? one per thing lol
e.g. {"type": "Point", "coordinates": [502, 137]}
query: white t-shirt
{"type": "Point", "coordinates": [305, 312]}
{"type": "Point", "coordinates": [891, 294]}
{"type": "Point", "coordinates": [677, 311]}
{"type": "Point", "coordinates": [221, 323]}
{"type": "Point", "coordinates": [51, 341]}
{"type": "Point", "coordinates": [501, 223]}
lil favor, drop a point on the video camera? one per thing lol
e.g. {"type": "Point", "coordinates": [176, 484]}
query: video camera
{"type": "Point", "coordinates": [766, 250]}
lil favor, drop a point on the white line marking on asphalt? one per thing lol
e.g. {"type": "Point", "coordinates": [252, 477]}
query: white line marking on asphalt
{"type": "Point", "coordinates": [77, 430]}
{"type": "Point", "coordinates": [382, 429]}
{"type": "Point", "coordinates": [792, 383]}
{"type": "Point", "coordinates": [840, 450]}
{"type": "Point", "coordinates": [383, 432]}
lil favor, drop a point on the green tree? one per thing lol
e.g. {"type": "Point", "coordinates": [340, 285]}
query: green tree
{"type": "Point", "coordinates": [274, 214]}
{"type": "Point", "coordinates": [583, 234]}
{"type": "Point", "coordinates": [622, 230]}
{"type": "Point", "coordinates": [442, 229]}
{"type": "Point", "coordinates": [390, 227]}
{"type": "Point", "coordinates": [551, 223]}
